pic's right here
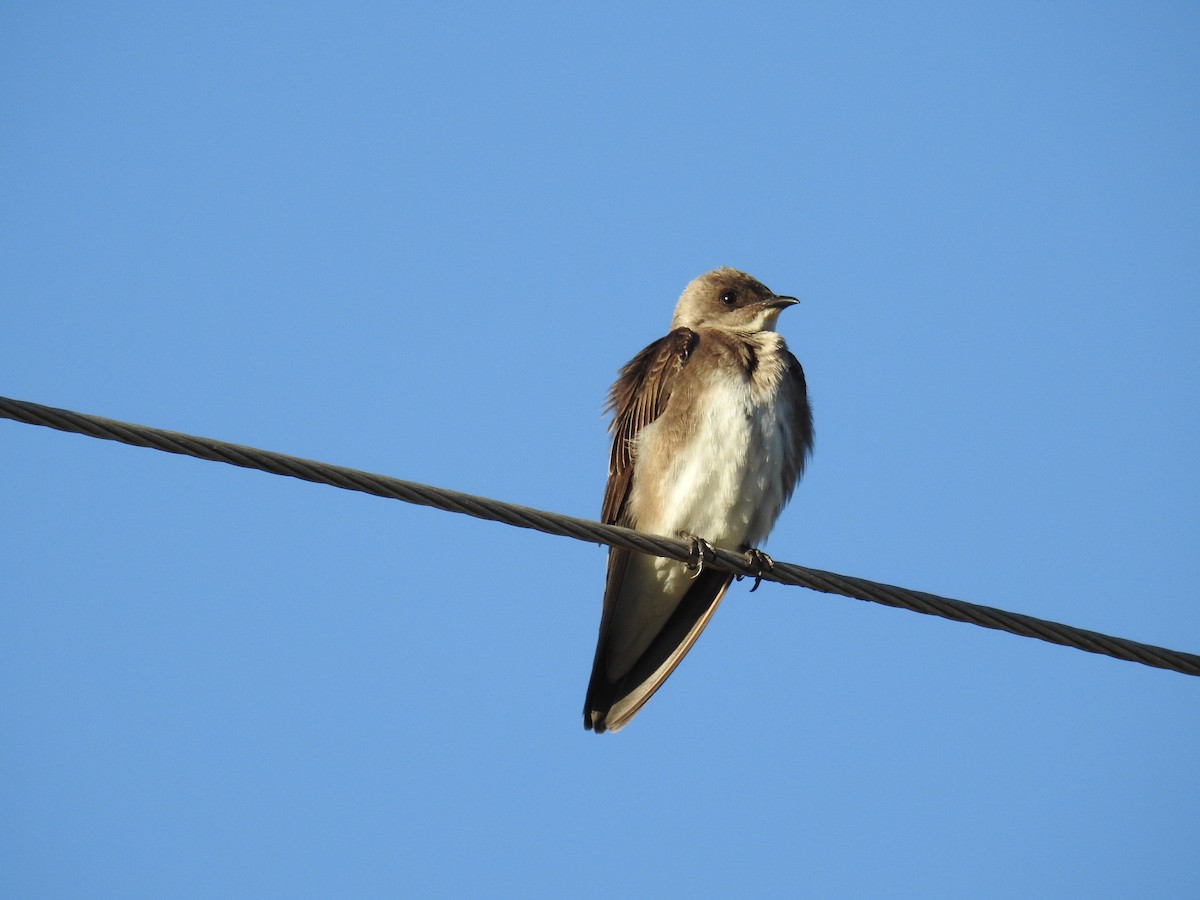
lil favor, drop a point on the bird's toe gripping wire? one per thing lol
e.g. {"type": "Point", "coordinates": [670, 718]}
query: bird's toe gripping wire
{"type": "Point", "coordinates": [701, 553]}
{"type": "Point", "coordinates": [759, 561]}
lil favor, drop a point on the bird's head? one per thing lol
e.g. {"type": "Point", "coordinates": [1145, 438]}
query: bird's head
{"type": "Point", "coordinates": [727, 298]}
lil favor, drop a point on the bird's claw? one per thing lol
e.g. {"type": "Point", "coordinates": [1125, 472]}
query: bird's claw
{"type": "Point", "coordinates": [701, 553]}
{"type": "Point", "coordinates": [761, 562]}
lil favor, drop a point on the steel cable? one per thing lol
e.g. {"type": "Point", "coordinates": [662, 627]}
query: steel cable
{"type": "Point", "coordinates": [593, 532]}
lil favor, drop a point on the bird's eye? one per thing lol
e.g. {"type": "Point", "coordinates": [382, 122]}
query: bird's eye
{"type": "Point", "coordinates": [729, 298]}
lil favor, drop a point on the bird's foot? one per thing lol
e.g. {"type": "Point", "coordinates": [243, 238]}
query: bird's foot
{"type": "Point", "coordinates": [701, 553]}
{"type": "Point", "coordinates": [761, 562]}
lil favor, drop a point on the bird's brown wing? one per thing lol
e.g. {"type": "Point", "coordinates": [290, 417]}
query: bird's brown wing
{"type": "Point", "coordinates": [611, 704]}
{"type": "Point", "coordinates": [639, 396]}
{"type": "Point", "coordinates": [800, 423]}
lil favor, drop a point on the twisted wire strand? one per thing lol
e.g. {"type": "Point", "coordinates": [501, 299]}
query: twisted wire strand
{"type": "Point", "coordinates": [593, 532]}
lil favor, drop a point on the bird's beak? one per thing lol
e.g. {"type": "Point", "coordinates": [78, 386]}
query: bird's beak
{"type": "Point", "coordinates": [780, 302]}
{"type": "Point", "coordinates": [771, 308]}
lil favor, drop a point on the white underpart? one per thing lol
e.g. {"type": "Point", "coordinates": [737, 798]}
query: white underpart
{"type": "Point", "coordinates": [725, 485]}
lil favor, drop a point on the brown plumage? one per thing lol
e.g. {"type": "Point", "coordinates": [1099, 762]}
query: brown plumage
{"type": "Point", "coordinates": [711, 429]}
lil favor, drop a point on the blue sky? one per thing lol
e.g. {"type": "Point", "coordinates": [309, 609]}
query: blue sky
{"type": "Point", "coordinates": [422, 241]}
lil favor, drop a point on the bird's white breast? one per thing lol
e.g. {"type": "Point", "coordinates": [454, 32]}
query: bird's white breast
{"type": "Point", "coordinates": [725, 483]}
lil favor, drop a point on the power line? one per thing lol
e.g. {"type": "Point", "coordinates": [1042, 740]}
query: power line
{"type": "Point", "coordinates": [592, 532]}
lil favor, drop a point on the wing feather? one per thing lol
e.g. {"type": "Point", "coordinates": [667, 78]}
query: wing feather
{"type": "Point", "coordinates": [800, 421]}
{"type": "Point", "coordinates": [638, 397]}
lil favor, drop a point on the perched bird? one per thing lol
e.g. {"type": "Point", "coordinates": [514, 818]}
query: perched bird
{"type": "Point", "coordinates": [711, 430]}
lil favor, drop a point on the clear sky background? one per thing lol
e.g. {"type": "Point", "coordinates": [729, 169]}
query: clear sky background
{"type": "Point", "coordinates": [421, 241]}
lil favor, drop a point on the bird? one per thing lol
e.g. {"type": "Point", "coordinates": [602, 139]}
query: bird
{"type": "Point", "coordinates": [711, 431]}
